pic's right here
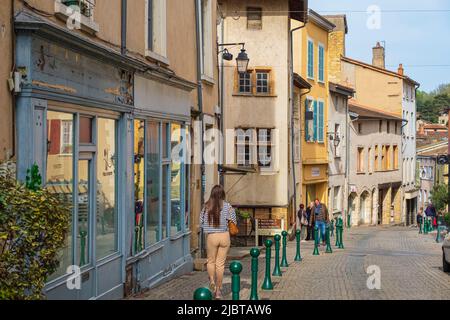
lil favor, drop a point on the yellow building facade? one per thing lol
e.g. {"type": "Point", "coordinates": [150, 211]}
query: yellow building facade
{"type": "Point", "coordinates": [311, 52]}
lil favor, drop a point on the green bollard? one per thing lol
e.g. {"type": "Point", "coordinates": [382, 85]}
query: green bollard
{"type": "Point", "coordinates": [298, 256]}
{"type": "Point", "coordinates": [267, 284]}
{"type": "Point", "coordinates": [203, 294]}
{"type": "Point", "coordinates": [236, 268]}
{"type": "Point", "coordinates": [316, 241]}
{"type": "Point", "coordinates": [284, 262]}
{"type": "Point", "coordinates": [277, 270]}
{"type": "Point", "coordinates": [332, 228]}
{"type": "Point", "coordinates": [338, 230]}
{"type": "Point", "coordinates": [425, 226]}
{"type": "Point", "coordinates": [327, 235]}
{"type": "Point", "coordinates": [341, 231]}
{"type": "Point", "coordinates": [254, 291]}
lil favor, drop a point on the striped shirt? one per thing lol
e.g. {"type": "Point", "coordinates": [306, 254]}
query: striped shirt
{"type": "Point", "coordinates": [227, 213]}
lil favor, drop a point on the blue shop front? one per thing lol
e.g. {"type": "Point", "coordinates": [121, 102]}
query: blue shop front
{"type": "Point", "coordinates": [110, 160]}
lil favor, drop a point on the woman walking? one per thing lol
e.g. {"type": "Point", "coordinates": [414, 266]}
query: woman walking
{"type": "Point", "coordinates": [420, 215]}
{"type": "Point", "coordinates": [214, 220]}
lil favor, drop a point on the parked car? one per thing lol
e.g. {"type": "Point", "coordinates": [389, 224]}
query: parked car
{"type": "Point", "coordinates": [446, 254]}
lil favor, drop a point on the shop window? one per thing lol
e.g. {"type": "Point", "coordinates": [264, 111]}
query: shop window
{"type": "Point", "coordinates": [59, 178]}
{"type": "Point", "coordinates": [83, 234]}
{"type": "Point", "coordinates": [139, 184]}
{"type": "Point", "coordinates": [106, 222]}
{"type": "Point", "coordinates": [153, 160]}
{"type": "Point", "coordinates": [176, 177]}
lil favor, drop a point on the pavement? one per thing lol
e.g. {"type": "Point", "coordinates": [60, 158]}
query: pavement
{"type": "Point", "coordinates": [409, 265]}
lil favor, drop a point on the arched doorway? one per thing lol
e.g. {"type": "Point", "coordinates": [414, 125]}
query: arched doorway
{"type": "Point", "coordinates": [364, 208]}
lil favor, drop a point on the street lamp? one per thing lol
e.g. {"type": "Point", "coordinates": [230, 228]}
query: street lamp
{"type": "Point", "coordinates": [242, 61]}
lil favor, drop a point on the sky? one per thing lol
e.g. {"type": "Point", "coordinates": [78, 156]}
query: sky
{"type": "Point", "coordinates": [416, 33]}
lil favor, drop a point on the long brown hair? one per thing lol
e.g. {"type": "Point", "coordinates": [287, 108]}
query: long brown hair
{"type": "Point", "coordinates": [214, 205]}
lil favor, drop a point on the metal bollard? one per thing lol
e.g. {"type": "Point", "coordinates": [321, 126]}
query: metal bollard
{"type": "Point", "coordinates": [425, 226]}
{"type": "Point", "coordinates": [235, 268]}
{"type": "Point", "coordinates": [284, 262]}
{"type": "Point", "coordinates": [341, 231]}
{"type": "Point", "coordinates": [316, 241]}
{"type": "Point", "coordinates": [267, 284]}
{"type": "Point", "coordinates": [277, 269]}
{"type": "Point", "coordinates": [254, 288]}
{"type": "Point", "coordinates": [298, 256]}
{"type": "Point", "coordinates": [327, 236]}
{"type": "Point", "coordinates": [338, 230]}
{"type": "Point", "coordinates": [203, 294]}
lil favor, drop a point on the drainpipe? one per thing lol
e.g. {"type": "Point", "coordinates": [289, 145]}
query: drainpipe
{"type": "Point", "coordinates": [123, 47]}
{"type": "Point", "coordinates": [291, 74]}
{"type": "Point", "coordinates": [200, 107]}
{"type": "Point", "coordinates": [221, 89]}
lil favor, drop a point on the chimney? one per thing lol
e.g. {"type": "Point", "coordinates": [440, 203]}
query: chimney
{"type": "Point", "coordinates": [401, 71]}
{"type": "Point", "coordinates": [378, 56]}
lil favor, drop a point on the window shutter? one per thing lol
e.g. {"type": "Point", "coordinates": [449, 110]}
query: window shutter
{"type": "Point", "coordinates": [321, 63]}
{"type": "Point", "coordinates": [321, 122]}
{"type": "Point", "coordinates": [310, 59]}
{"type": "Point", "coordinates": [306, 122]}
{"type": "Point", "coordinates": [315, 121]}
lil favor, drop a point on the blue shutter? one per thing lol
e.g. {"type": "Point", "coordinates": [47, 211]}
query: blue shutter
{"type": "Point", "coordinates": [321, 63]}
{"type": "Point", "coordinates": [321, 122]}
{"type": "Point", "coordinates": [315, 121]}
{"type": "Point", "coordinates": [306, 122]}
{"type": "Point", "coordinates": [310, 59]}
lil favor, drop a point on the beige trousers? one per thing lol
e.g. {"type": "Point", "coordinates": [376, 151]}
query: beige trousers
{"type": "Point", "coordinates": [217, 247]}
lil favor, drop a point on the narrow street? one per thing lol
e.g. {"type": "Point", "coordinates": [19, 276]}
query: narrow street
{"type": "Point", "coordinates": [410, 265]}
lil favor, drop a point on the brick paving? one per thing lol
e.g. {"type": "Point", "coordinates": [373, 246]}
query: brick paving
{"type": "Point", "coordinates": [410, 264]}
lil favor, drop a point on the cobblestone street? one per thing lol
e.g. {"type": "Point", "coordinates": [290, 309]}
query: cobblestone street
{"type": "Point", "coordinates": [410, 264]}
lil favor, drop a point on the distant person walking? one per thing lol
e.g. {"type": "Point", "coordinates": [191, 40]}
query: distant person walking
{"type": "Point", "coordinates": [214, 220]}
{"type": "Point", "coordinates": [310, 233]}
{"type": "Point", "coordinates": [319, 218]}
{"type": "Point", "coordinates": [419, 218]}
{"type": "Point", "coordinates": [430, 212]}
{"type": "Point", "coordinates": [303, 220]}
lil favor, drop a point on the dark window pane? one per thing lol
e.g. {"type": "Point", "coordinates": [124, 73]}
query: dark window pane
{"type": "Point", "coordinates": [85, 130]}
{"type": "Point", "coordinates": [153, 183]}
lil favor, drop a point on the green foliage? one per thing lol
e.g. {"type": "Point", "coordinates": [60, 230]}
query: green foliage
{"type": "Point", "coordinates": [447, 219]}
{"type": "Point", "coordinates": [439, 196]}
{"type": "Point", "coordinates": [431, 105]}
{"type": "Point", "coordinates": [33, 179]}
{"type": "Point", "coordinates": [242, 214]}
{"type": "Point", "coordinates": [33, 227]}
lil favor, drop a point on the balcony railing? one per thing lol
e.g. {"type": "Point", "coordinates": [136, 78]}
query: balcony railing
{"type": "Point", "coordinates": [86, 7]}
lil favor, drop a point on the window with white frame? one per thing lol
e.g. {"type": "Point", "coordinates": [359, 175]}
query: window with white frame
{"type": "Point", "coordinates": [244, 138]}
{"type": "Point", "coordinates": [264, 147]}
{"type": "Point", "coordinates": [262, 82]}
{"type": "Point", "coordinates": [66, 137]}
{"type": "Point", "coordinates": [155, 31]}
{"type": "Point", "coordinates": [207, 39]}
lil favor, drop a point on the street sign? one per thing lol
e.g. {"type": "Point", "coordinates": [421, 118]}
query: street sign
{"type": "Point", "coordinates": [268, 227]}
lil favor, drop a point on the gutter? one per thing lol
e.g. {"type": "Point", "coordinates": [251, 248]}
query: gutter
{"type": "Point", "coordinates": [200, 107]}
{"type": "Point", "coordinates": [291, 75]}
{"type": "Point", "coordinates": [123, 47]}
